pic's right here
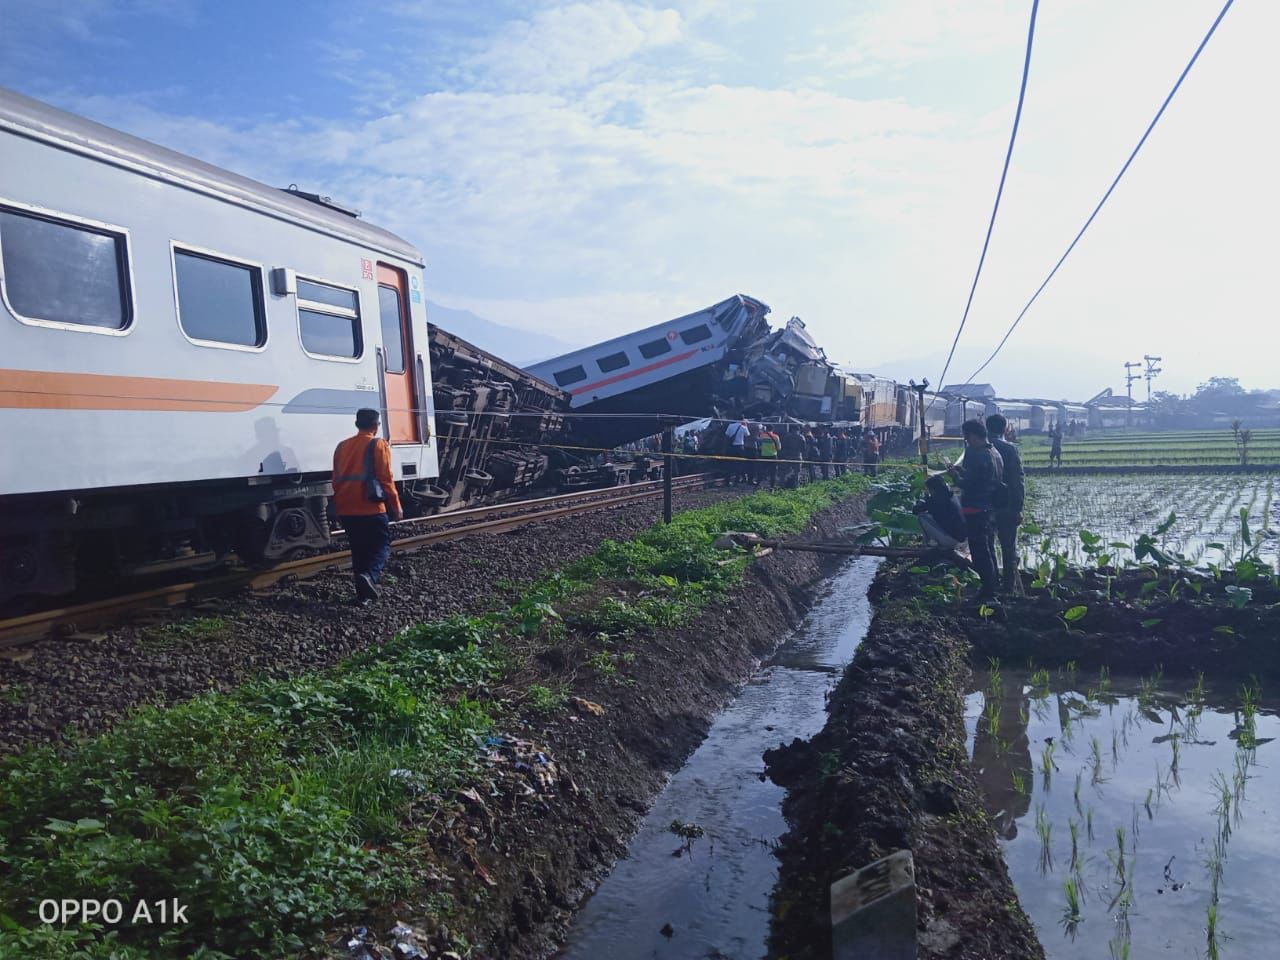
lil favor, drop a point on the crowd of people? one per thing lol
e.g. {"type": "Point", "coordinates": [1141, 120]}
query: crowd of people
{"type": "Point", "coordinates": [776, 454]}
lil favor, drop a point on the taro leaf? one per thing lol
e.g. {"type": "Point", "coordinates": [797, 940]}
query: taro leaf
{"type": "Point", "coordinates": [1120, 545]}
{"type": "Point", "coordinates": [1167, 525]}
{"type": "Point", "coordinates": [917, 570]}
{"type": "Point", "coordinates": [1246, 571]}
{"type": "Point", "coordinates": [1151, 622]}
{"type": "Point", "coordinates": [986, 610]}
{"type": "Point", "coordinates": [1239, 596]}
{"type": "Point", "coordinates": [1089, 539]}
{"type": "Point", "coordinates": [1075, 613]}
{"type": "Point", "coordinates": [1031, 529]}
{"type": "Point", "coordinates": [1223, 629]}
{"type": "Point", "coordinates": [1215, 546]}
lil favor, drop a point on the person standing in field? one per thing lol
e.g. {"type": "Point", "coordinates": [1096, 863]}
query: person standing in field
{"type": "Point", "coordinates": [841, 448]}
{"type": "Point", "coordinates": [1055, 447]}
{"type": "Point", "coordinates": [979, 476]}
{"type": "Point", "coordinates": [364, 493]}
{"type": "Point", "coordinates": [870, 452]}
{"type": "Point", "coordinates": [812, 454]}
{"type": "Point", "coordinates": [793, 454]}
{"type": "Point", "coordinates": [770, 446]}
{"type": "Point", "coordinates": [1007, 517]}
{"type": "Point", "coordinates": [827, 446]}
{"type": "Point", "coordinates": [736, 433]}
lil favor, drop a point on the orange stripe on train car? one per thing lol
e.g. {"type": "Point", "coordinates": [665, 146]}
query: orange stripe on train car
{"type": "Point", "coordinates": [43, 390]}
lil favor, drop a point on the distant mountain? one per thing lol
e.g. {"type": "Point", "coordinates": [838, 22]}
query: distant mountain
{"type": "Point", "coordinates": [520, 347]}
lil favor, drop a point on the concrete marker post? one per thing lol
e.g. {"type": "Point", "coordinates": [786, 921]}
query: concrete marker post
{"type": "Point", "coordinates": [873, 911]}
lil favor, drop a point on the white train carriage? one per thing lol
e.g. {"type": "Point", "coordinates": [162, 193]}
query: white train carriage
{"type": "Point", "coordinates": [180, 350]}
{"type": "Point", "coordinates": [671, 367]}
{"type": "Point", "coordinates": [1062, 414]}
{"type": "Point", "coordinates": [1023, 416]}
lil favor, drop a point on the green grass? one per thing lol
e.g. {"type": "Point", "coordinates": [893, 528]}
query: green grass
{"type": "Point", "coordinates": [277, 809]}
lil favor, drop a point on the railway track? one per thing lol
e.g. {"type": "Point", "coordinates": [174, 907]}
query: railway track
{"type": "Point", "coordinates": [409, 535]}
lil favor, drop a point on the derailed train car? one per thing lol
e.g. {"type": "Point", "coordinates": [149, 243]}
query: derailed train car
{"type": "Point", "coordinates": [494, 426]}
{"type": "Point", "coordinates": [721, 362]}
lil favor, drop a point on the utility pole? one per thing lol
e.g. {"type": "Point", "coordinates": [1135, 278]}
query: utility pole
{"type": "Point", "coordinates": [1129, 377]}
{"type": "Point", "coordinates": [1152, 371]}
{"type": "Point", "coordinates": [920, 388]}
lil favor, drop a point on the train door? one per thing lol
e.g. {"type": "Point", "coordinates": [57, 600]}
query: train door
{"type": "Point", "coordinates": [397, 349]}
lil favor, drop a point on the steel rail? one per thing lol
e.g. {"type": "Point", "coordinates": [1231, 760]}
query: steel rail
{"type": "Point", "coordinates": [33, 627]}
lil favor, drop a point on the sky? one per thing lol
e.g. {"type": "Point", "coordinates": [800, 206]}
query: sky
{"type": "Point", "coordinates": [582, 169]}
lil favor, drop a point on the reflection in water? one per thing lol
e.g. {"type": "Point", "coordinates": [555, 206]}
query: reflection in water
{"type": "Point", "coordinates": [709, 896]}
{"type": "Point", "coordinates": [1147, 829]}
{"type": "Point", "coordinates": [1002, 757]}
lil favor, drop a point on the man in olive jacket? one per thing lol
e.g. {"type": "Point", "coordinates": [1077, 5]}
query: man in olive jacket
{"type": "Point", "coordinates": [1007, 518]}
{"type": "Point", "coordinates": [979, 475]}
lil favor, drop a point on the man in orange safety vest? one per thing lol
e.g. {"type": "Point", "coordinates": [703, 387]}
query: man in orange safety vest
{"type": "Point", "coordinates": [364, 492]}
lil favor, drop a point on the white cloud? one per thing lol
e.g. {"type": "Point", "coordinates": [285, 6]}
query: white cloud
{"type": "Point", "coordinates": [567, 46]}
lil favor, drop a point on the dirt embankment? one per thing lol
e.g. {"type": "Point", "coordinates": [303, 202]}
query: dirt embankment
{"type": "Point", "coordinates": [890, 771]}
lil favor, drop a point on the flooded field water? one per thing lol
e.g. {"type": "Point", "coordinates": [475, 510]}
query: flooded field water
{"type": "Point", "coordinates": [1120, 508]}
{"type": "Point", "coordinates": [707, 896]}
{"type": "Point", "coordinates": [1137, 819]}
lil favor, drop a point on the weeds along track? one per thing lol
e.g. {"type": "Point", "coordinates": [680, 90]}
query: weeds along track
{"type": "Point", "coordinates": [408, 535]}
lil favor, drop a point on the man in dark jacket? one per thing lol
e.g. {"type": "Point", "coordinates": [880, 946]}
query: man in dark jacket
{"type": "Point", "coordinates": [1008, 517]}
{"type": "Point", "coordinates": [827, 451]}
{"type": "Point", "coordinates": [979, 476]}
{"type": "Point", "coordinates": [842, 453]}
{"type": "Point", "coordinates": [793, 453]}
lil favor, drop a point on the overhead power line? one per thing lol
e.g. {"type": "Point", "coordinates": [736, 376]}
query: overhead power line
{"type": "Point", "coordinates": [1017, 117]}
{"type": "Point", "coordinates": [1151, 126]}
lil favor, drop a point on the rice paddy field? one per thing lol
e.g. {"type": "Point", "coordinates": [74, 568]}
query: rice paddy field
{"type": "Point", "coordinates": [1205, 448]}
{"type": "Point", "coordinates": [1207, 525]}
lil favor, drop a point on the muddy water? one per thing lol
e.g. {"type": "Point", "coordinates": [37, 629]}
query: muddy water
{"type": "Point", "coordinates": [713, 891]}
{"type": "Point", "coordinates": [1184, 828]}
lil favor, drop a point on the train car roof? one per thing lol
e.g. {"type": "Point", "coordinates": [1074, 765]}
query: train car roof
{"type": "Point", "coordinates": [707, 314]}
{"type": "Point", "coordinates": [36, 120]}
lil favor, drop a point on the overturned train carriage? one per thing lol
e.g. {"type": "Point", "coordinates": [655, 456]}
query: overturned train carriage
{"type": "Point", "coordinates": [494, 424]}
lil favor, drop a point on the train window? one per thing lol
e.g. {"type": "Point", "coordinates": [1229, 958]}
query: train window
{"type": "Point", "coordinates": [391, 310]}
{"type": "Point", "coordinates": [329, 320]}
{"type": "Point", "coordinates": [655, 348]}
{"type": "Point", "coordinates": [572, 375]}
{"type": "Point", "coordinates": [614, 361]}
{"type": "Point", "coordinates": [62, 272]}
{"type": "Point", "coordinates": [696, 334]}
{"type": "Point", "coordinates": [219, 301]}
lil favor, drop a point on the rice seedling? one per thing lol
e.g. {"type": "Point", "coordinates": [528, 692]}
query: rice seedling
{"type": "Point", "coordinates": [1044, 830]}
{"type": "Point", "coordinates": [1212, 949]}
{"type": "Point", "coordinates": [1047, 766]}
{"type": "Point", "coordinates": [1073, 827]}
{"type": "Point", "coordinates": [1088, 823]}
{"type": "Point", "coordinates": [1019, 782]}
{"type": "Point", "coordinates": [1040, 684]}
{"type": "Point", "coordinates": [1071, 915]}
